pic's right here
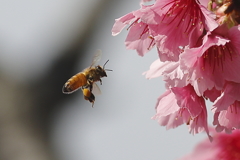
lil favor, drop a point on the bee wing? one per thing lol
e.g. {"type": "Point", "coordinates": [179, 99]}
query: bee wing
{"type": "Point", "coordinates": [96, 90]}
{"type": "Point", "coordinates": [96, 57]}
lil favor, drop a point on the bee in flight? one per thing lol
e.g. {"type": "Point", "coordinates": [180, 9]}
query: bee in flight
{"type": "Point", "coordinates": [86, 80]}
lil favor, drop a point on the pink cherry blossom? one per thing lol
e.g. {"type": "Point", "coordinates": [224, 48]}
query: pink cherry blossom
{"type": "Point", "coordinates": [227, 108]}
{"type": "Point", "coordinates": [182, 105]}
{"type": "Point", "coordinates": [208, 66]}
{"type": "Point", "coordinates": [229, 94]}
{"type": "Point", "coordinates": [228, 120]}
{"type": "Point", "coordinates": [122, 22]}
{"type": "Point", "coordinates": [198, 44]}
{"type": "Point", "coordinates": [223, 147]}
{"type": "Point", "coordinates": [212, 94]}
{"type": "Point", "coordinates": [139, 37]}
{"type": "Point", "coordinates": [185, 20]}
{"type": "Point", "coordinates": [171, 72]}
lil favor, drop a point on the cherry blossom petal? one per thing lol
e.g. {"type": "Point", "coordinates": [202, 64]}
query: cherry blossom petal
{"type": "Point", "coordinates": [139, 39]}
{"type": "Point", "coordinates": [121, 22]}
{"type": "Point", "coordinates": [229, 95]}
{"type": "Point", "coordinates": [184, 20]}
{"type": "Point", "coordinates": [156, 69]}
{"type": "Point", "coordinates": [212, 94]}
{"type": "Point", "coordinates": [171, 72]}
{"type": "Point", "coordinates": [208, 66]}
{"type": "Point", "coordinates": [182, 105]}
{"type": "Point", "coordinates": [228, 120]}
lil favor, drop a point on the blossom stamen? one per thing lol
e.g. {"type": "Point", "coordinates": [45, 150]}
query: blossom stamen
{"type": "Point", "coordinates": [133, 23]}
{"type": "Point", "coordinates": [216, 55]}
{"type": "Point", "coordinates": [234, 108]}
{"type": "Point", "coordinates": [227, 46]}
{"type": "Point", "coordinates": [169, 4]}
{"type": "Point", "coordinates": [145, 31]}
{"type": "Point", "coordinates": [152, 43]}
{"type": "Point", "coordinates": [180, 112]}
{"type": "Point", "coordinates": [183, 12]}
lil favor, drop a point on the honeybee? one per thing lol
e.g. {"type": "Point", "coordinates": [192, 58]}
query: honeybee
{"type": "Point", "coordinates": [86, 79]}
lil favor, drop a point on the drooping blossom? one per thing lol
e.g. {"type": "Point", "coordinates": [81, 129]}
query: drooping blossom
{"type": "Point", "coordinates": [205, 67]}
{"type": "Point", "coordinates": [228, 120]}
{"type": "Point", "coordinates": [185, 20]}
{"type": "Point", "coordinates": [198, 44]}
{"type": "Point", "coordinates": [138, 38]}
{"type": "Point", "coordinates": [177, 23]}
{"type": "Point", "coordinates": [171, 72]}
{"type": "Point", "coordinates": [226, 108]}
{"type": "Point", "coordinates": [214, 62]}
{"type": "Point", "coordinates": [179, 106]}
{"type": "Point", "coordinates": [223, 147]}
{"type": "Point", "coordinates": [229, 94]}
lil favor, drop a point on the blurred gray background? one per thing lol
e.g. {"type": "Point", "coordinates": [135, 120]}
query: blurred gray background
{"type": "Point", "coordinates": [44, 43]}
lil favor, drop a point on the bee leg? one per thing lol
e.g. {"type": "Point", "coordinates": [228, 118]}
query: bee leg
{"type": "Point", "coordinates": [88, 95]}
{"type": "Point", "coordinates": [100, 81]}
{"type": "Point", "coordinates": [89, 84]}
{"type": "Point", "coordinates": [90, 88]}
{"type": "Point", "coordinates": [91, 99]}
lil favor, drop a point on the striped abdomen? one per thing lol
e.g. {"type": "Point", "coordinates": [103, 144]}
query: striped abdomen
{"type": "Point", "coordinates": [74, 83]}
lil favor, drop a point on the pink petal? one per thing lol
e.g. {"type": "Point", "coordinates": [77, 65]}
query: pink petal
{"type": "Point", "coordinates": [210, 23]}
{"type": "Point", "coordinates": [228, 120]}
{"type": "Point", "coordinates": [229, 95]}
{"type": "Point", "coordinates": [186, 98]}
{"type": "Point", "coordinates": [212, 94]}
{"type": "Point", "coordinates": [138, 38]}
{"type": "Point", "coordinates": [167, 104]}
{"type": "Point", "coordinates": [121, 22]}
{"type": "Point", "coordinates": [167, 18]}
{"type": "Point", "coordinates": [208, 66]}
{"type": "Point", "coordinates": [181, 105]}
{"type": "Point", "coordinates": [156, 69]}
{"type": "Point", "coordinates": [170, 121]}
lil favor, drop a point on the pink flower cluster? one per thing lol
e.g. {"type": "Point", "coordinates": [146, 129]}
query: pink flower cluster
{"type": "Point", "coordinates": [224, 147]}
{"type": "Point", "coordinates": [198, 43]}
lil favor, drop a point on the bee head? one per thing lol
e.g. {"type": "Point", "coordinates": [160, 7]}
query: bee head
{"type": "Point", "coordinates": [102, 70]}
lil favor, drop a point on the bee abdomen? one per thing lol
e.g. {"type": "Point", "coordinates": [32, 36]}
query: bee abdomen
{"type": "Point", "coordinates": [74, 83]}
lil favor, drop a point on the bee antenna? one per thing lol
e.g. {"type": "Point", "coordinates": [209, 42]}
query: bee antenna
{"type": "Point", "coordinates": [108, 70]}
{"type": "Point", "coordinates": [105, 64]}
